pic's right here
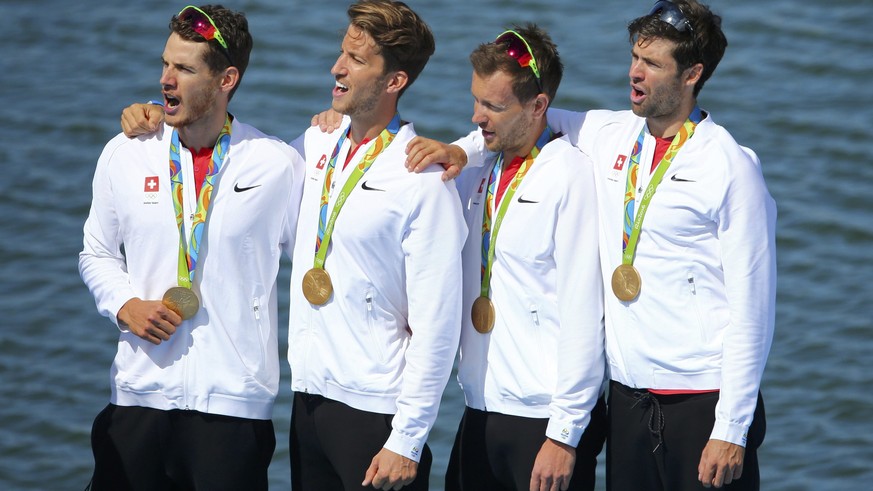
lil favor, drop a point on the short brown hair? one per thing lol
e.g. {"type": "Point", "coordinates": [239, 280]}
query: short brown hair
{"type": "Point", "coordinates": [489, 58]}
{"type": "Point", "coordinates": [405, 41]}
{"type": "Point", "coordinates": [234, 29]}
{"type": "Point", "coordinates": [704, 43]}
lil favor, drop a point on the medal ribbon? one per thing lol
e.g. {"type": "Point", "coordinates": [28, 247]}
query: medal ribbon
{"type": "Point", "coordinates": [187, 263]}
{"type": "Point", "coordinates": [325, 223]}
{"type": "Point", "coordinates": [633, 225]}
{"type": "Point", "coordinates": [489, 231]}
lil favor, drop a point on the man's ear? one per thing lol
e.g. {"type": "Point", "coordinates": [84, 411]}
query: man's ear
{"type": "Point", "coordinates": [397, 81]}
{"type": "Point", "coordinates": [541, 104]}
{"type": "Point", "coordinates": [693, 74]}
{"type": "Point", "coordinates": [229, 79]}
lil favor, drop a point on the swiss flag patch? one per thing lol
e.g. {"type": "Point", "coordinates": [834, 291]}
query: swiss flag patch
{"type": "Point", "coordinates": [321, 162]}
{"type": "Point", "coordinates": [152, 184]}
{"type": "Point", "coordinates": [619, 162]}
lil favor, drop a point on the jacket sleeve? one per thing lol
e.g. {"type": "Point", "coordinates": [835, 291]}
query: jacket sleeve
{"type": "Point", "coordinates": [581, 358]}
{"type": "Point", "coordinates": [432, 245]}
{"type": "Point", "coordinates": [101, 262]}
{"type": "Point", "coordinates": [571, 124]}
{"type": "Point", "coordinates": [292, 211]}
{"type": "Point", "coordinates": [474, 146]}
{"type": "Point", "coordinates": [746, 228]}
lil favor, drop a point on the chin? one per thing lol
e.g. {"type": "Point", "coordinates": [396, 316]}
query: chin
{"type": "Point", "coordinates": [175, 120]}
{"type": "Point", "coordinates": [340, 107]}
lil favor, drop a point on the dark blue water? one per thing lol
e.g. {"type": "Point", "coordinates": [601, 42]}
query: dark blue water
{"type": "Point", "coordinates": [794, 85]}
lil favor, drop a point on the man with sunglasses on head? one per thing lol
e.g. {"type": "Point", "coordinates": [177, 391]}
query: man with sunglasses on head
{"type": "Point", "coordinates": [181, 251]}
{"type": "Point", "coordinates": [687, 245]}
{"type": "Point", "coordinates": [531, 361]}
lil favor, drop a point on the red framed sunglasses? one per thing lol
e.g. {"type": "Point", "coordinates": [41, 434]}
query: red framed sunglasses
{"type": "Point", "coordinates": [518, 48]}
{"type": "Point", "coordinates": [202, 24]}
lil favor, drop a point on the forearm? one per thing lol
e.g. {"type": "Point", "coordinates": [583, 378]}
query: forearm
{"type": "Point", "coordinates": [102, 266]}
{"type": "Point", "coordinates": [473, 146]}
{"type": "Point", "coordinates": [749, 262]}
{"type": "Point", "coordinates": [580, 356]}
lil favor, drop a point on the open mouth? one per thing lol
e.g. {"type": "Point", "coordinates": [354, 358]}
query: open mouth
{"type": "Point", "coordinates": [637, 95]}
{"type": "Point", "coordinates": [170, 102]}
{"type": "Point", "coordinates": [341, 88]}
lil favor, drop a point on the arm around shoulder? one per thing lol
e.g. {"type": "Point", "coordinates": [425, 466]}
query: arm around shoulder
{"type": "Point", "coordinates": [141, 119]}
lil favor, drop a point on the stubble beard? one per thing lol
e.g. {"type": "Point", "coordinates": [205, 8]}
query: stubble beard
{"type": "Point", "coordinates": [663, 102]}
{"type": "Point", "coordinates": [365, 103]}
{"type": "Point", "coordinates": [513, 139]}
{"type": "Point", "coordinates": [197, 108]}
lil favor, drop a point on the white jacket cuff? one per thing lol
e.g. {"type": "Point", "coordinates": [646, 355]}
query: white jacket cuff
{"type": "Point", "coordinates": [564, 432]}
{"type": "Point", "coordinates": [401, 444]}
{"type": "Point", "coordinates": [730, 432]}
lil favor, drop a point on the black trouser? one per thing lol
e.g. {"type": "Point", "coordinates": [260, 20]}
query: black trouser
{"type": "Point", "coordinates": [655, 441]}
{"type": "Point", "coordinates": [138, 448]}
{"type": "Point", "coordinates": [332, 445]}
{"type": "Point", "coordinates": [496, 452]}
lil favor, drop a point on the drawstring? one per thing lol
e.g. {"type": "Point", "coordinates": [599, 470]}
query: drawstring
{"type": "Point", "coordinates": [656, 418]}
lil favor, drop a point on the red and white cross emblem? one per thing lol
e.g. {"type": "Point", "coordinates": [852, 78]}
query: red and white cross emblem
{"type": "Point", "coordinates": [619, 162]}
{"type": "Point", "coordinates": [152, 184]}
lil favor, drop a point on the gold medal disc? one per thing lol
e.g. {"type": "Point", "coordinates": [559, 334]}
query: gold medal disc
{"type": "Point", "coordinates": [483, 315]}
{"type": "Point", "coordinates": [182, 301]}
{"type": "Point", "coordinates": [626, 282]}
{"type": "Point", "coordinates": [317, 287]}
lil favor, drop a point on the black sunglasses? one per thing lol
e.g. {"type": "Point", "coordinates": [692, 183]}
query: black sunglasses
{"type": "Point", "coordinates": [670, 13]}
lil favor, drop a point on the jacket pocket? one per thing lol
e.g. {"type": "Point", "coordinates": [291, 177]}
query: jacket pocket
{"type": "Point", "coordinates": [378, 345]}
{"type": "Point", "coordinates": [695, 303]}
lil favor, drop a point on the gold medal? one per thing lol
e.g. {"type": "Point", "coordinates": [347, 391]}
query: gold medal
{"type": "Point", "coordinates": [182, 301]}
{"type": "Point", "coordinates": [483, 315]}
{"type": "Point", "coordinates": [317, 287]}
{"type": "Point", "coordinates": [626, 282]}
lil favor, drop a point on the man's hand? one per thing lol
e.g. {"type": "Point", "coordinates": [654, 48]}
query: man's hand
{"type": "Point", "coordinates": [328, 121]}
{"type": "Point", "coordinates": [422, 152]}
{"type": "Point", "coordinates": [149, 319]}
{"type": "Point", "coordinates": [141, 119]}
{"type": "Point", "coordinates": [389, 470]}
{"type": "Point", "coordinates": [721, 463]}
{"type": "Point", "coordinates": [553, 467]}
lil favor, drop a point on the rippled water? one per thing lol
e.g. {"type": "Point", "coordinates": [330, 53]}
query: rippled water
{"type": "Point", "coordinates": [794, 86]}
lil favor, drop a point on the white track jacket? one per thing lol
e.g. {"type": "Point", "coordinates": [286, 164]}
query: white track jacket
{"type": "Point", "coordinates": [224, 360]}
{"type": "Point", "coordinates": [386, 339]}
{"type": "Point", "coordinates": [544, 358]}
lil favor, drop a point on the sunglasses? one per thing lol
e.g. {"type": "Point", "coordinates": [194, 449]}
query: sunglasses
{"type": "Point", "coordinates": [203, 25]}
{"type": "Point", "coordinates": [518, 49]}
{"type": "Point", "coordinates": [670, 13]}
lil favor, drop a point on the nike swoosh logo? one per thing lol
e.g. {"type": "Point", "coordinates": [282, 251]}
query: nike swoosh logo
{"type": "Point", "coordinates": [368, 188]}
{"type": "Point", "coordinates": [522, 200]}
{"type": "Point", "coordinates": [676, 179]}
{"type": "Point", "coordinates": [240, 190]}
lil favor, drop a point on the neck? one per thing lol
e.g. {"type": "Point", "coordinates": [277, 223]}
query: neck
{"type": "Point", "coordinates": [530, 141]}
{"type": "Point", "coordinates": [368, 126]}
{"type": "Point", "coordinates": [203, 133]}
{"type": "Point", "coordinates": [668, 125]}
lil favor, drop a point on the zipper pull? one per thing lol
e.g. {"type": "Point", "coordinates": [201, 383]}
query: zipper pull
{"type": "Point", "coordinates": [257, 309]}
